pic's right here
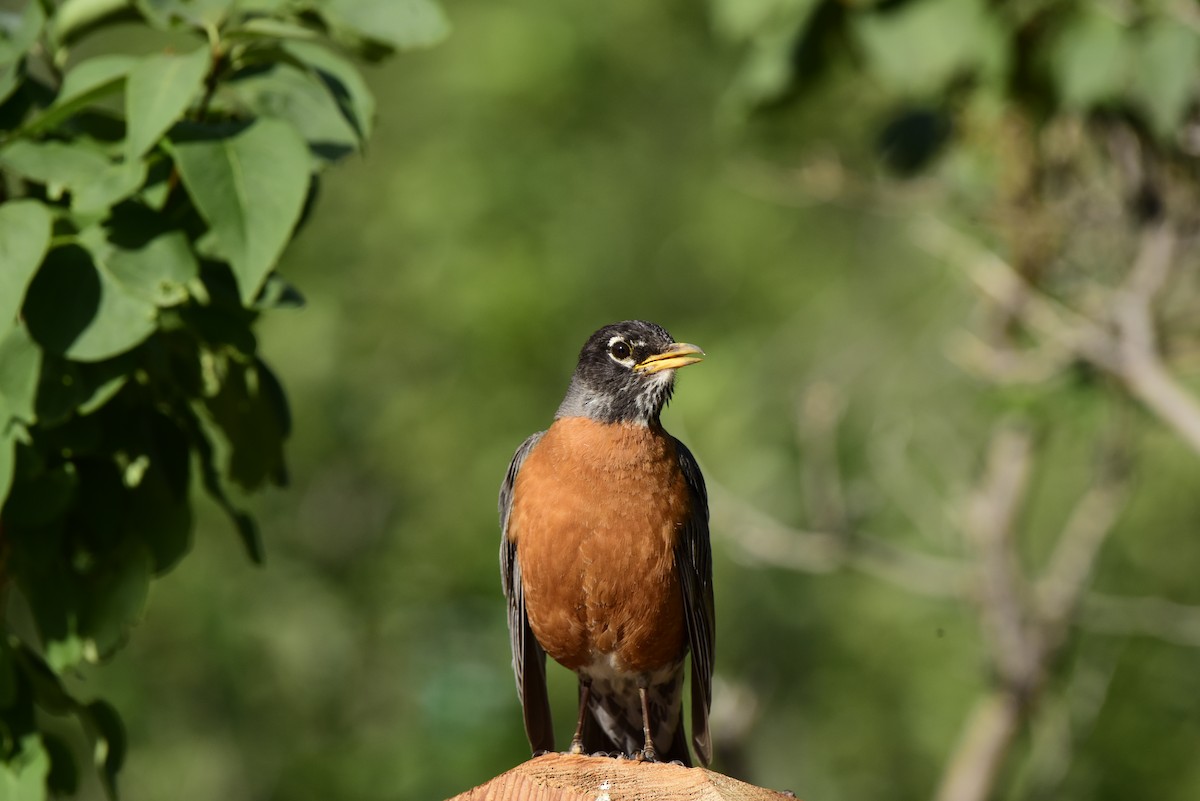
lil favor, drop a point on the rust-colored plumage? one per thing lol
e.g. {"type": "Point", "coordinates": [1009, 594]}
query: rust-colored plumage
{"type": "Point", "coordinates": [597, 512]}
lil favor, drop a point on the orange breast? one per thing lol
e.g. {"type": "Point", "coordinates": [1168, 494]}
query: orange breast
{"type": "Point", "coordinates": [597, 510]}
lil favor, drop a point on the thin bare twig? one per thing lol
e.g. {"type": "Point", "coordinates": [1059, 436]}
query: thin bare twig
{"type": "Point", "coordinates": [990, 524]}
{"type": "Point", "coordinates": [762, 540]}
{"type": "Point", "coordinates": [1148, 617]}
{"type": "Point", "coordinates": [1072, 563]}
{"type": "Point", "coordinates": [1005, 366]}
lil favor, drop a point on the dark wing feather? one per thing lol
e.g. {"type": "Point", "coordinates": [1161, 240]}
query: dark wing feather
{"type": "Point", "coordinates": [693, 560]}
{"type": "Point", "coordinates": [529, 660]}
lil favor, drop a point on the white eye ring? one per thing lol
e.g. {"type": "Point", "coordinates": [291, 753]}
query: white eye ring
{"type": "Point", "coordinates": [620, 351]}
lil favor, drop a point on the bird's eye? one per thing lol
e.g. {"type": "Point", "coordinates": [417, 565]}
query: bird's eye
{"type": "Point", "coordinates": [620, 350]}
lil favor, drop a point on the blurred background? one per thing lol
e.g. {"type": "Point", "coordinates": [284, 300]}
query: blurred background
{"type": "Point", "coordinates": [551, 168]}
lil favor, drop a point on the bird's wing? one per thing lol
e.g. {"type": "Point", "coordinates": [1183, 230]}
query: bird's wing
{"type": "Point", "coordinates": [693, 560]}
{"type": "Point", "coordinates": [529, 660]}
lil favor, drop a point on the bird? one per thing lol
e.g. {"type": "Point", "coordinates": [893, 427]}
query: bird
{"type": "Point", "coordinates": [605, 557]}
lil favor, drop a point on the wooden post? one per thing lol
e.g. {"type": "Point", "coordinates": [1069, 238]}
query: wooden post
{"type": "Point", "coordinates": [567, 777]}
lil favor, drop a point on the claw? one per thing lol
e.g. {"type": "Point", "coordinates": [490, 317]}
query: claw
{"type": "Point", "coordinates": [647, 754]}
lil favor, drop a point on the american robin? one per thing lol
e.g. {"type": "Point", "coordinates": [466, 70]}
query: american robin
{"type": "Point", "coordinates": [605, 556]}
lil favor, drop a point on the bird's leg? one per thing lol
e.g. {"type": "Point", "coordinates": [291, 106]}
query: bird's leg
{"type": "Point", "coordinates": [648, 753]}
{"type": "Point", "coordinates": [585, 692]}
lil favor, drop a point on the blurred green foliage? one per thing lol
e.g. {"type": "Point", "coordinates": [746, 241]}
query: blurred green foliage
{"type": "Point", "coordinates": [553, 167]}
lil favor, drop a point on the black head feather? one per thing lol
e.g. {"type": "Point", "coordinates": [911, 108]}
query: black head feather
{"type": "Point", "coordinates": [607, 387]}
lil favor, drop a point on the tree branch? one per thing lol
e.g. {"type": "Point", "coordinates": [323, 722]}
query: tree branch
{"type": "Point", "coordinates": [990, 730]}
{"type": "Point", "coordinates": [1073, 561]}
{"type": "Point", "coordinates": [762, 540]}
{"type": "Point", "coordinates": [1128, 352]}
{"type": "Point", "coordinates": [991, 519]}
{"type": "Point", "coordinates": [1148, 617]}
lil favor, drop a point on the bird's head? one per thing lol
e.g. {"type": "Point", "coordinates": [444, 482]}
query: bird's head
{"type": "Point", "coordinates": [626, 373]}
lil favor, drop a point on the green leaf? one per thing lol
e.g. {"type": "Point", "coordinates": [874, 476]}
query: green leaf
{"type": "Point", "coordinates": [160, 514]}
{"type": "Point", "coordinates": [278, 293]}
{"type": "Point", "coordinates": [910, 48]}
{"type": "Point", "coordinates": [78, 17]}
{"type": "Point", "coordinates": [95, 183]}
{"type": "Point", "coordinates": [51, 589]}
{"type": "Point", "coordinates": [344, 83]}
{"type": "Point", "coordinates": [251, 414]}
{"type": "Point", "coordinates": [397, 24]}
{"type": "Point", "coordinates": [199, 14]}
{"type": "Point", "coordinates": [220, 320]}
{"type": "Point", "coordinates": [8, 675]}
{"type": "Point", "coordinates": [742, 21]}
{"type": "Point", "coordinates": [20, 364]}
{"type": "Point", "coordinates": [767, 69]}
{"type": "Point", "coordinates": [15, 43]}
{"type": "Point", "coordinates": [65, 652]}
{"type": "Point", "coordinates": [66, 388]}
{"type": "Point", "coordinates": [107, 71]}
{"type": "Point", "coordinates": [44, 496]}
{"type": "Point", "coordinates": [76, 307]}
{"type": "Point", "coordinates": [86, 83]}
{"type": "Point", "coordinates": [8, 458]}
{"type": "Point", "coordinates": [1089, 60]}
{"type": "Point", "coordinates": [23, 777]}
{"type": "Point", "coordinates": [1167, 61]}
{"type": "Point", "coordinates": [271, 30]}
{"type": "Point", "coordinates": [58, 165]}
{"type": "Point", "coordinates": [211, 479]}
{"type": "Point", "coordinates": [63, 778]}
{"type": "Point", "coordinates": [109, 742]}
{"type": "Point", "coordinates": [301, 99]}
{"type": "Point", "coordinates": [159, 91]}
{"type": "Point", "coordinates": [116, 590]}
{"type": "Point", "coordinates": [11, 76]}
{"type": "Point", "coordinates": [112, 185]}
{"type": "Point", "coordinates": [19, 33]}
{"type": "Point", "coordinates": [85, 574]}
{"type": "Point", "coordinates": [45, 685]}
{"type": "Point", "coordinates": [158, 272]}
{"type": "Point", "coordinates": [249, 185]}
{"type": "Point", "coordinates": [102, 394]}
{"type": "Point", "coordinates": [24, 238]}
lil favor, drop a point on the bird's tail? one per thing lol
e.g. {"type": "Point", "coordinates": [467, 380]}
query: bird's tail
{"type": "Point", "coordinates": [606, 732]}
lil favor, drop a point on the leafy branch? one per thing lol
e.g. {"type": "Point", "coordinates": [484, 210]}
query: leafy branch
{"type": "Point", "coordinates": [147, 201]}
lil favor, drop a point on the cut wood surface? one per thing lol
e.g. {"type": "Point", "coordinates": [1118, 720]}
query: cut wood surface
{"type": "Point", "coordinates": [568, 777]}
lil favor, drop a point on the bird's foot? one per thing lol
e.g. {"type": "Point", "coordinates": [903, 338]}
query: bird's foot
{"type": "Point", "coordinates": [647, 754]}
{"type": "Point", "coordinates": [576, 747]}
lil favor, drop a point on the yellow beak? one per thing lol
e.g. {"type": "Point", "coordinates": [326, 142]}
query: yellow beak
{"type": "Point", "coordinates": [681, 354]}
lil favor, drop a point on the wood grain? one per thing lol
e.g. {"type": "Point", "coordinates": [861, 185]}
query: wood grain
{"type": "Point", "coordinates": [567, 777]}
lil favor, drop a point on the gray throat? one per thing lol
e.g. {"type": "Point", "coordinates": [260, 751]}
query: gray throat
{"type": "Point", "coordinates": [638, 408]}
